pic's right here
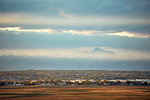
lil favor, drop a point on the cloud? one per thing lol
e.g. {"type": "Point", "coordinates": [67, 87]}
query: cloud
{"type": "Point", "coordinates": [129, 34]}
{"type": "Point", "coordinates": [70, 19]}
{"type": "Point", "coordinates": [119, 54]}
{"type": "Point", "coordinates": [85, 32]}
{"type": "Point", "coordinates": [90, 7]}
{"type": "Point", "coordinates": [63, 14]}
{"type": "Point", "coordinates": [79, 32]}
{"type": "Point", "coordinates": [19, 29]}
{"type": "Point", "coordinates": [124, 15]}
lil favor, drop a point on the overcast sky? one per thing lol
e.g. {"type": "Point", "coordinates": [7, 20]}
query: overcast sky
{"type": "Point", "coordinates": [102, 33]}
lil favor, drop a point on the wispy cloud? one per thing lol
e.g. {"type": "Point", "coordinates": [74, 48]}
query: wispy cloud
{"type": "Point", "coordinates": [63, 14]}
{"type": "Point", "coordinates": [19, 29]}
{"type": "Point", "coordinates": [129, 34]}
{"type": "Point", "coordinates": [79, 32]}
{"type": "Point", "coordinates": [98, 14]}
{"type": "Point", "coordinates": [86, 53]}
{"type": "Point", "coordinates": [70, 19]}
{"type": "Point", "coordinates": [85, 32]}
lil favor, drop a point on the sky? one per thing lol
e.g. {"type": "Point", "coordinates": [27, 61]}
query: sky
{"type": "Point", "coordinates": [74, 35]}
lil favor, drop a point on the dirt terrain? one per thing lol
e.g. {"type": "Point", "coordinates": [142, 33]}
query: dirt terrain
{"type": "Point", "coordinates": [75, 93]}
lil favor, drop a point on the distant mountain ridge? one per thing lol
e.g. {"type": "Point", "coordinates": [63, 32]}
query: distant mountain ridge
{"type": "Point", "coordinates": [96, 50]}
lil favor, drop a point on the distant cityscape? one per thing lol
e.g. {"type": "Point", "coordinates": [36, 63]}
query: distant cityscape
{"type": "Point", "coordinates": [74, 77]}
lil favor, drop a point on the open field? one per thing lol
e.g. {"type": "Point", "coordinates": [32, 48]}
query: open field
{"type": "Point", "coordinates": [75, 93]}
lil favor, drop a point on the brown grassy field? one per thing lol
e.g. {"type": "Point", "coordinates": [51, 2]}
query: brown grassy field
{"type": "Point", "coordinates": [75, 93]}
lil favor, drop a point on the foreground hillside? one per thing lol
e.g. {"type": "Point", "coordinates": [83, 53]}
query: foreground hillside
{"type": "Point", "coordinates": [75, 93]}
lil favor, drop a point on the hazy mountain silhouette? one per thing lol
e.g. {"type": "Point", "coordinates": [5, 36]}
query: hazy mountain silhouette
{"type": "Point", "coordinates": [96, 50]}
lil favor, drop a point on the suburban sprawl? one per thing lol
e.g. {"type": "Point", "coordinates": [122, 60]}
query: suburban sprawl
{"type": "Point", "coordinates": [74, 77]}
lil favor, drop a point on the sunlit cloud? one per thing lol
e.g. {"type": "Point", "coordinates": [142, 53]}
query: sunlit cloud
{"type": "Point", "coordinates": [85, 32]}
{"type": "Point", "coordinates": [129, 34]}
{"type": "Point", "coordinates": [19, 29]}
{"type": "Point", "coordinates": [86, 53]}
{"type": "Point", "coordinates": [78, 32]}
